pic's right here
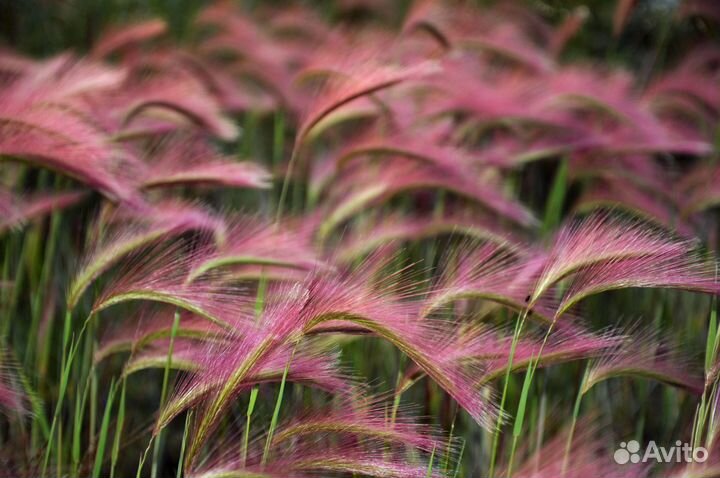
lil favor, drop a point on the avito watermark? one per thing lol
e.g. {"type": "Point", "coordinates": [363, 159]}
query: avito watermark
{"type": "Point", "coordinates": [629, 452]}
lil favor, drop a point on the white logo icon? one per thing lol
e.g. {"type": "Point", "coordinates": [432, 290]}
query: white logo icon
{"type": "Point", "coordinates": [627, 452]}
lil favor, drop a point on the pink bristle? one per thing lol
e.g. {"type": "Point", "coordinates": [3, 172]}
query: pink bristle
{"type": "Point", "coordinates": [50, 137]}
{"type": "Point", "coordinates": [149, 326]}
{"type": "Point", "coordinates": [364, 78]}
{"type": "Point", "coordinates": [489, 349]}
{"type": "Point", "coordinates": [641, 171]}
{"type": "Point", "coordinates": [492, 99]}
{"type": "Point", "coordinates": [16, 210]}
{"type": "Point", "coordinates": [220, 80]}
{"type": "Point", "coordinates": [619, 193]}
{"type": "Point", "coordinates": [598, 239]}
{"type": "Point", "coordinates": [64, 79]}
{"type": "Point", "coordinates": [417, 227]}
{"type": "Point", "coordinates": [178, 93]}
{"type": "Point", "coordinates": [565, 345]}
{"type": "Point", "coordinates": [588, 456]}
{"type": "Point", "coordinates": [358, 438]}
{"type": "Point", "coordinates": [308, 463]}
{"type": "Point", "coordinates": [401, 175]}
{"type": "Point", "coordinates": [14, 64]}
{"type": "Point", "coordinates": [564, 33]}
{"type": "Point", "coordinates": [700, 189]}
{"type": "Point", "coordinates": [421, 149]}
{"type": "Point", "coordinates": [12, 397]}
{"type": "Point", "coordinates": [243, 35]}
{"type": "Point", "coordinates": [366, 418]}
{"type": "Point", "coordinates": [303, 308]}
{"type": "Point", "coordinates": [688, 84]}
{"type": "Point", "coordinates": [128, 230]}
{"type": "Point", "coordinates": [164, 279]}
{"type": "Point", "coordinates": [465, 29]}
{"type": "Point", "coordinates": [313, 366]}
{"type": "Point", "coordinates": [128, 36]}
{"type": "Point", "coordinates": [492, 273]}
{"type": "Point", "coordinates": [192, 161]}
{"type": "Point", "coordinates": [645, 354]}
{"type": "Point", "coordinates": [686, 270]}
{"type": "Point", "coordinates": [190, 214]}
{"type": "Point", "coordinates": [252, 241]}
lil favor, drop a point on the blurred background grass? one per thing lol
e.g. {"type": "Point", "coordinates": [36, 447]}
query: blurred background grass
{"type": "Point", "coordinates": [43, 27]}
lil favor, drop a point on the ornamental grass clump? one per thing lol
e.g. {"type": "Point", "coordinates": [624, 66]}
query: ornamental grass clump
{"type": "Point", "coordinates": [365, 238]}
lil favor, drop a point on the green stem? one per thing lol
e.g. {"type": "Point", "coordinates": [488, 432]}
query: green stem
{"type": "Point", "coordinates": [104, 426]}
{"type": "Point", "coordinates": [522, 406]}
{"type": "Point", "coordinates": [512, 455]}
{"type": "Point", "coordinates": [77, 427]}
{"type": "Point", "coordinates": [65, 374]}
{"type": "Point", "coordinates": [141, 463]}
{"type": "Point", "coordinates": [459, 460]}
{"type": "Point", "coordinates": [576, 413]}
{"type": "Point", "coordinates": [248, 416]}
{"type": "Point", "coordinates": [285, 186]}
{"type": "Point", "coordinates": [183, 445]}
{"type": "Point", "coordinates": [448, 449]}
{"type": "Point", "coordinates": [430, 464]}
{"type": "Point", "coordinates": [498, 424]}
{"type": "Point", "coordinates": [163, 393]}
{"type": "Point", "coordinates": [118, 428]}
{"type": "Point", "coordinates": [276, 412]}
{"type": "Point", "coordinates": [398, 392]}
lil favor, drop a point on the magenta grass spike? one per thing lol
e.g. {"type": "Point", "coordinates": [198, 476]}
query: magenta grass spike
{"type": "Point", "coordinates": [133, 229]}
{"type": "Point", "coordinates": [313, 366]}
{"type": "Point", "coordinates": [43, 123]}
{"type": "Point", "coordinates": [588, 456]}
{"type": "Point", "coordinates": [149, 326]}
{"type": "Point", "coordinates": [179, 93]}
{"type": "Point", "coordinates": [623, 195]}
{"type": "Point", "coordinates": [402, 176]}
{"type": "Point", "coordinates": [302, 308]}
{"type": "Point", "coordinates": [363, 78]}
{"type": "Point", "coordinates": [394, 228]}
{"type": "Point", "coordinates": [193, 161]}
{"type": "Point", "coordinates": [645, 355]}
{"type": "Point", "coordinates": [357, 439]}
{"type": "Point", "coordinates": [122, 39]}
{"type": "Point", "coordinates": [603, 241]}
{"type": "Point", "coordinates": [254, 242]}
{"type": "Point", "coordinates": [164, 279]}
